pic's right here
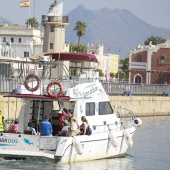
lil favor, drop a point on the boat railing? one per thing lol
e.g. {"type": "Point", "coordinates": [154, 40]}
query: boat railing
{"type": "Point", "coordinates": [65, 78]}
{"type": "Point", "coordinates": [127, 114]}
{"type": "Point", "coordinates": [113, 126]}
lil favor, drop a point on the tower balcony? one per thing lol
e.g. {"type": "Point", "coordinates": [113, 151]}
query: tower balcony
{"type": "Point", "coordinates": [57, 19]}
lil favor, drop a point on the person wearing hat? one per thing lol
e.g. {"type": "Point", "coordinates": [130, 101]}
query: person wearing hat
{"type": "Point", "coordinates": [15, 126]}
{"type": "Point", "coordinates": [2, 123]}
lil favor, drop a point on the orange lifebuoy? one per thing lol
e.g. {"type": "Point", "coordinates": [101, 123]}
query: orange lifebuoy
{"type": "Point", "coordinates": [32, 76]}
{"type": "Point", "coordinates": [49, 88]}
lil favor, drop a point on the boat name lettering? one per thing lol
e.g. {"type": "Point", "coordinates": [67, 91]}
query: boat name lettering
{"type": "Point", "coordinates": [92, 90]}
{"type": "Point", "coordinates": [2, 140]}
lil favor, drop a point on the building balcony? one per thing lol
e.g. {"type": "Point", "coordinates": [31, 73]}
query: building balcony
{"type": "Point", "coordinates": [58, 19]}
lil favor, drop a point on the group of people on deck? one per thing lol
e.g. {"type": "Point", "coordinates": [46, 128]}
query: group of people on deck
{"type": "Point", "coordinates": [14, 127]}
{"type": "Point", "coordinates": [68, 125]}
{"type": "Point", "coordinates": [70, 121]}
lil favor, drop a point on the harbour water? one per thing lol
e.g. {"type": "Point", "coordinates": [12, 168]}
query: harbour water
{"type": "Point", "coordinates": [151, 151]}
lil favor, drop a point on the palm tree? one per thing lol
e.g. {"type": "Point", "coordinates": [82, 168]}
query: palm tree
{"type": "Point", "coordinates": [155, 40]}
{"type": "Point", "coordinates": [32, 21]}
{"type": "Point", "coordinates": [80, 27]}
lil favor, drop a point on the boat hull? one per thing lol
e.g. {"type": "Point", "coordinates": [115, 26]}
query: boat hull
{"type": "Point", "coordinates": [63, 149]}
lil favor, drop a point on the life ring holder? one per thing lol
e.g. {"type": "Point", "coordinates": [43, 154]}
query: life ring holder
{"type": "Point", "coordinates": [31, 76]}
{"type": "Point", "coordinates": [49, 88]}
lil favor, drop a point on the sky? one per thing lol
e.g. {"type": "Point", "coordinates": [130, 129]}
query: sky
{"type": "Point", "coordinates": [154, 12]}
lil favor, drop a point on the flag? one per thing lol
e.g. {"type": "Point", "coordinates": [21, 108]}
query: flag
{"type": "Point", "coordinates": [25, 4]}
{"type": "Point", "coordinates": [56, 10]}
{"type": "Point", "coordinates": [107, 75]}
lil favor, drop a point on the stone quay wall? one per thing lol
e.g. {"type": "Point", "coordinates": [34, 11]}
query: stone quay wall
{"type": "Point", "coordinates": [143, 105]}
{"type": "Point", "coordinates": [139, 105]}
{"type": "Point", "coordinates": [10, 107]}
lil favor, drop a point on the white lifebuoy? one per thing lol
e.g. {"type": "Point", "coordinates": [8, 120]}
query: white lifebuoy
{"type": "Point", "coordinates": [32, 76]}
{"type": "Point", "coordinates": [137, 122]}
{"type": "Point", "coordinates": [49, 89]}
{"type": "Point", "coordinates": [128, 137]}
{"type": "Point", "coordinates": [113, 139]}
{"type": "Point", "coordinates": [77, 146]}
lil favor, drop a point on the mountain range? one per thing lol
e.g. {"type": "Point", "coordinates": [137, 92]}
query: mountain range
{"type": "Point", "coordinates": [118, 30]}
{"type": "Point", "coordinates": [2, 20]}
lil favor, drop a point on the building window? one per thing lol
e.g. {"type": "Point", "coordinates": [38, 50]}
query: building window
{"type": "Point", "coordinates": [19, 40]}
{"type": "Point", "coordinates": [161, 78]}
{"type": "Point", "coordinates": [162, 60]}
{"type": "Point", "coordinates": [90, 109]}
{"type": "Point", "coordinates": [51, 45]}
{"type": "Point", "coordinates": [12, 40]}
{"type": "Point", "coordinates": [4, 39]}
{"type": "Point", "coordinates": [26, 54]}
{"type": "Point", "coordinates": [105, 108]}
{"type": "Point", "coordinates": [52, 28]}
{"type": "Point", "coordinates": [138, 79]}
{"type": "Point", "coordinates": [139, 58]}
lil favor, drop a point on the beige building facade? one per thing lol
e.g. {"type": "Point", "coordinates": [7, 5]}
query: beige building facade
{"type": "Point", "coordinates": [106, 61]}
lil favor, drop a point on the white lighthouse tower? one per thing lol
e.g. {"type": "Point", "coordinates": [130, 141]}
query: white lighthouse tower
{"type": "Point", "coordinates": [54, 29]}
{"type": "Point", "coordinates": [54, 35]}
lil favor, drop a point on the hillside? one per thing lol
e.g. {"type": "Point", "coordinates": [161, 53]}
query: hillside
{"type": "Point", "coordinates": [119, 30]}
{"type": "Point", "coordinates": [2, 20]}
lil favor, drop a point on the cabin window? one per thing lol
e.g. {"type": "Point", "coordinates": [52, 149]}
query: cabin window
{"type": "Point", "coordinates": [90, 109]}
{"type": "Point", "coordinates": [105, 108]}
{"type": "Point", "coordinates": [39, 109]}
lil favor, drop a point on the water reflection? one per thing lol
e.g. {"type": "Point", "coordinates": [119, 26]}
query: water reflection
{"type": "Point", "coordinates": [151, 150]}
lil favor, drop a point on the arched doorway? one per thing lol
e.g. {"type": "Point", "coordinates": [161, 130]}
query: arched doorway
{"type": "Point", "coordinates": [138, 79]}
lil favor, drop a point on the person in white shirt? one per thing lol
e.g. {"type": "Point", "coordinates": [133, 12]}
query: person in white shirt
{"type": "Point", "coordinates": [73, 126]}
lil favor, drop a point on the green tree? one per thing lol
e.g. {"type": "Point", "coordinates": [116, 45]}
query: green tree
{"type": "Point", "coordinates": [100, 72]}
{"type": "Point", "coordinates": [112, 75]}
{"type": "Point", "coordinates": [80, 27]}
{"type": "Point", "coordinates": [155, 40]}
{"type": "Point", "coordinates": [32, 21]}
{"type": "Point", "coordinates": [81, 48]}
{"type": "Point", "coordinates": [121, 75]}
{"type": "Point", "coordinates": [125, 67]}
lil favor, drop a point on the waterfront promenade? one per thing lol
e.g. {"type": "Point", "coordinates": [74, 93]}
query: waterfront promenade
{"type": "Point", "coordinates": [139, 105]}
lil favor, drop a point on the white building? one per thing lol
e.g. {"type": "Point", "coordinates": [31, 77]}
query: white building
{"type": "Point", "coordinates": [20, 41]}
{"type": "Point", "coordinates": [108, 62]}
